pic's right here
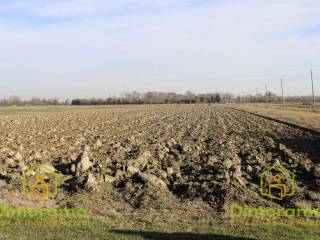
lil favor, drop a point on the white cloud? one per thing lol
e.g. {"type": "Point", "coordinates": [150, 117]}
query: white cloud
{"type": "Point", "coordinates": [67, 8]}
{"type": "Point", "coordinates": [230, 47]}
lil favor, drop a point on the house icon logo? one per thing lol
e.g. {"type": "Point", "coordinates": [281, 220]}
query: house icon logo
{"type": "Point", "coordinates": [277, 182]}
{"type": "Point", "coordinates": [40, 182]}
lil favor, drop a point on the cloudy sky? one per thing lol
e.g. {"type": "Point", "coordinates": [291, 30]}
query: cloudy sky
{"type": "Point", "coordinates": [84, 48]}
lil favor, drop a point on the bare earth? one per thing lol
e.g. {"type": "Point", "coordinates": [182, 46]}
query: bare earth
{"type": "Point", "coordinates": [174, 163]}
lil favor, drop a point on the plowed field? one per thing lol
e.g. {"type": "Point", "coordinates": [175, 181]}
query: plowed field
{"type": "Point", "coordinates": [191, 161]}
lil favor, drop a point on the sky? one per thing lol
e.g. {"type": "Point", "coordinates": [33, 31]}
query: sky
{"type": "Point", "coordinates": [98, 48]}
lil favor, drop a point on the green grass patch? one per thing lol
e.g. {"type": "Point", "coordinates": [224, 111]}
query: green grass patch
{"type": "Point", "coordinates": [127, 230]}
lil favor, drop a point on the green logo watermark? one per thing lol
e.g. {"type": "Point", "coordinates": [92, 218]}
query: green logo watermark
{"type": "Point", "coordinates": [41, 183]}
{"type": "Point", "coordinates": [276, 183]}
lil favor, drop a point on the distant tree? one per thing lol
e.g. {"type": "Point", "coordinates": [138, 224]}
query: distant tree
{"type": "Point", "coordinates": [217, 98]}
{"type": "Point", "coordinates": [67, 102]}
{"type": "Point", "coordinates": [190, 96]}
{"type": "Point", "coordinates": [271, 96]}
{"type": "Point", "coordinates": [14, 100]}
{"type": "Point", "coordinates": [54, 101]}
{"type": "Point", "coordinates": [200, 99]}
{"type": "Point", "coordinates": [76, 102]}
{"type": "Point", "coordinates": [135, 96]}
{"type": "Point", "coordinates": [227, 97]}
{"type": "Point", "coordinates": [149, 96]}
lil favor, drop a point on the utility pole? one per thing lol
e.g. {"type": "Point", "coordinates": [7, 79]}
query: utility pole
{"type": "Point", "coordinates": [267, 94]}
{"type": "Point", "coordinates": [314, 99]}
{"type": "Point", "coordinates": [282, 92]}
{"type": "Point", "coordinates": [256, 94]}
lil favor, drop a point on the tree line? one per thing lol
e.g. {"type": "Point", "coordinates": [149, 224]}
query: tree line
{"type": "Point", "coordinates": [189, 98]}
{"type": "Point", "coordinates": [158, 98]}
{"type": "Point", "coordinates": [34, 101]}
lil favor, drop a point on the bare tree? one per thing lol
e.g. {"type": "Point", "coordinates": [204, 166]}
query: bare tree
{"type": "Point", "coordinates": [190, 96]}
{"type": "Point", "coordinates": [227, 97]}
{"type": "Point", "coordinates": [14, 100]}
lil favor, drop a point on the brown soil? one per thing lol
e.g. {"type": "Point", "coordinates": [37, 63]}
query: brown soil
{"type": "Point", "coordinates": [185, 161]}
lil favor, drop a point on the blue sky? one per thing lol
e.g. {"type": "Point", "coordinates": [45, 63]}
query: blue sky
{"type": "Point", "coordinates": [84, 48]}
